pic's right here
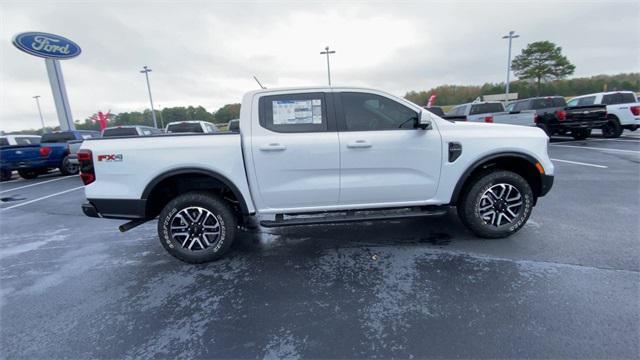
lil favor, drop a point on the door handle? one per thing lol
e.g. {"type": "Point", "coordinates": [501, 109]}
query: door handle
{"type": "Point", "coordinates": [359, 144]}
{"type": "Point", "coordinates": [273, 147]}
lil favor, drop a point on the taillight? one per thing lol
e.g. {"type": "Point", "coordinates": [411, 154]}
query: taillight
{"type": "Point", "coordinates": [87, 174]}
{"type": "Point", "coordinates": [635, 110]}
{"type": "Point", "coordinates": [561, 115]}
{"type": "Point", "coordinates": [488, 119]}
{"type": "Point", "coordinates": [45, 151]}
{"type": "Point", "coordinates": [536, 118]}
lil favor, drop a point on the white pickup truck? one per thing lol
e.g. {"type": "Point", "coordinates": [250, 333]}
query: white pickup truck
{"type": "Point", "coordinates": [623, 110]}
{"type": "Point", "coordinates": [313, 156]}
{"type": "Point", "coordinates": [491, 112]}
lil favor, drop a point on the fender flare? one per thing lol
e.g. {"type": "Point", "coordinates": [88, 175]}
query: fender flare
{"type": "Point", "coordinates": [193, 170]}
{"type": "Point", "coordinates": [465, 175]}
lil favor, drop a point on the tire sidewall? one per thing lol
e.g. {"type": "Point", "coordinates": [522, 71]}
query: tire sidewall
{"type": "Point", "coordinates": [64, 169]}
{"type": "Point", "coordinates": [213, 204]}
{"type": "Point", "coordinates": [472, 214]}
{"type": "Point", "coordinates": [612, 128]}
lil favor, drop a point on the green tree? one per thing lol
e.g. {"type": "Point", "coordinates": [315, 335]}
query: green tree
{"type": "Point", "coordinates": [227, 112]}
{"type": "Point", "coordinates": [542, 60]}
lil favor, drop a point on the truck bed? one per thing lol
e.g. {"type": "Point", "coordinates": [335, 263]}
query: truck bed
{"type": "Point", "coordinates": [216, 152]}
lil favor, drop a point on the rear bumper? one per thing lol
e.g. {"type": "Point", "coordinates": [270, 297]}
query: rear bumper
{"type": "Point", "coordinates": [546, 184]}
{"type": "Point", "coordinates": [23, 164]}
{"type": "Point", "coordinates": [579, 124]}
{"type": "Point", "coordinates": [115, 208]}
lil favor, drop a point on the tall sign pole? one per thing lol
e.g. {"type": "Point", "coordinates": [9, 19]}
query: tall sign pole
{"type": "Point", "coordinates": [512, 35]}
{"type": "Point", "coordinates": [145, 70]}
{"type": "Point", "coordinates": [37, 97]}
{"type": "Point", "coordinates": [327, 52]}
{"type": "Point", "coordinates": [52, 48]}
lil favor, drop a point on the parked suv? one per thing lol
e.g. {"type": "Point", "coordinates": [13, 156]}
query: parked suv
{"type": "Point", "coordinates": [194, 126]}
{"type": "Point", "coordinates": [623, 110]}
{"type": "Point", "coordinates": [554, 117]}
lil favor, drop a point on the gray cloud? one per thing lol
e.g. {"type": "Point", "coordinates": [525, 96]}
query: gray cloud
{"type": "Point", "coordinates": [205, 53]}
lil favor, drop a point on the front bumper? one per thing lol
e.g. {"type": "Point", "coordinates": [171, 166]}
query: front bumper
{"type": "Point", "coordinates": [545, 184]}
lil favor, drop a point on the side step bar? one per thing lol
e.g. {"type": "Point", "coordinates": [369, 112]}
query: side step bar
{"type": "Point", "coordinates": [351, 216]}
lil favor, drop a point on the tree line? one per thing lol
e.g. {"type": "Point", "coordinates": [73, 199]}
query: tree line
{"type": "Point", "coordinates": [459, 94]}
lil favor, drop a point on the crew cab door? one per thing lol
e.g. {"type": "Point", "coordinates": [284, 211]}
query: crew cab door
{"type": "Point", "coordinates": [295, 152]}
{"type": "Point", "coordinates": [384, 160]}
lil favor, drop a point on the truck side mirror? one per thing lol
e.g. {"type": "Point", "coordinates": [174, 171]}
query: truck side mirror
{"type": "Point", "coordinates": [423, 121]}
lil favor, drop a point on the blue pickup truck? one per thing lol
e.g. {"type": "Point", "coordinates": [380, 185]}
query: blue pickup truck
{"type": "Point", "coordinates": [52, 153]}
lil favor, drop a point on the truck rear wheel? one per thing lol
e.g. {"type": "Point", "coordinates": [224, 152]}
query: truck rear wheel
{"type": "Point", "coordinates": [6, 175]}
{"type": "Point", "coordinates": [612, 129]}
{"type": "Point", "coordinates": [197, 227]}
{"type": "Point", "coordinates": [28, 174]}
{"type": "Point", "coordinates": [497, 204]}
{"type": "Point", "coordinates": [581, 134]}
{"type": "Point", "coordinates": [68, 168]}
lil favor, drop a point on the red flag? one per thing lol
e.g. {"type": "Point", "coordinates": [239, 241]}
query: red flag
{"type": "Point", "coordinates": [432, 100]}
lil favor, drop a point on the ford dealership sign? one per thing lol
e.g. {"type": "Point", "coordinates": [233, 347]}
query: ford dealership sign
{"type": "Point", "coordinates": [46, 45]}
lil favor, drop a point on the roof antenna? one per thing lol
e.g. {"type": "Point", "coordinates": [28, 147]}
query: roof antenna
{"type": "Point", "coordinates": [258, 81]}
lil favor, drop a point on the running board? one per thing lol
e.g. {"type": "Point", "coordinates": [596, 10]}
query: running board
{"type": "Point", "coordinates": [351, 216]}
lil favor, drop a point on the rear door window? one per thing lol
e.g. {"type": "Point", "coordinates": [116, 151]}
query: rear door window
{"type": "Point", "coordinates": [618, 98]}
{"type": "Point", "coordinates": [290, 113]}
{"type": "Point", "coordinates": [22, 140]}
{"type": "Point", "coordinates": [486, 108]}
{"type": "Point", "coordinates": [4, 142]}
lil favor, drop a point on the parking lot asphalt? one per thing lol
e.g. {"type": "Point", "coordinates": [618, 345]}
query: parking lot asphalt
{"type": "Point", "coordinates": [566, 286]}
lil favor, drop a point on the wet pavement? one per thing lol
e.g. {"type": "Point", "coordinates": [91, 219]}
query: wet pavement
{"type": "Point", "coordinates": [566, 286]}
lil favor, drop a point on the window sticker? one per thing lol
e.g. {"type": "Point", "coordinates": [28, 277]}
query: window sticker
{"type": "Point", "coordinates": [287, 112]}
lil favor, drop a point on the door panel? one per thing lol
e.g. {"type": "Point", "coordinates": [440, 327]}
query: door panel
{"type": "Point", "coordinates": [296, 161]}
{"type": "Point", "coordinates": [394, 166]}
{"type": "Point", "coordinates": [383, 159]}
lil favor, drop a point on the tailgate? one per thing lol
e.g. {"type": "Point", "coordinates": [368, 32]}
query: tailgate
{"type": "Point", "coordinates": [586, 113]}
{"type": "Point", "coordinates": [19, 156]}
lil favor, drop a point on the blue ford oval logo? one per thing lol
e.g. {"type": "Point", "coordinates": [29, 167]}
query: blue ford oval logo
{"type": "Point", "coordinates": [46, 45]}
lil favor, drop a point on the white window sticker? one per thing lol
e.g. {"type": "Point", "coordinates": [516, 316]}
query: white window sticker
{"type": "Point", "coordinates": [287, 112]}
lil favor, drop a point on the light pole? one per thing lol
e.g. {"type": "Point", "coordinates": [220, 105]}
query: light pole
{"type": "Point", "coordinates": [146, 72]}
{"type": "Point", "coordinates": [327, 52]}
{"type": "Point", "coordinates": [37, 97]}
{"type": "Point", "coordinates": [512, 35]}
{"type": "Point", "coordinates": [161, 118]}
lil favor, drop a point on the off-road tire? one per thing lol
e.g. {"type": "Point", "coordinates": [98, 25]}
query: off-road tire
{"type": "Point", "coordinates": [468, 208]}
{"type": "Point", "coordinates": [212, 203]}
{"type": "Point", "coordinates": [612, 129]}
{"type": "Point", "coordinates": [581, 134]}
{"type": "Point", "coordinates": [68, 168]}
{"type": "Point", "coordinates": [5, 175]}
{"type": "Point", "coordinates": [28, 174]}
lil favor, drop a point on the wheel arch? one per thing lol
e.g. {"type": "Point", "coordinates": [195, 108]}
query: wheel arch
{"type": "Point", "coordinates": [520, 163]}
{"type": "Point", "coordinates": [177, 176]}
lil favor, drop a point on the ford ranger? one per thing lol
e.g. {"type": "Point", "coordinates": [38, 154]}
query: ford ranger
{"type": "Point", "coordinates": [315, 156]}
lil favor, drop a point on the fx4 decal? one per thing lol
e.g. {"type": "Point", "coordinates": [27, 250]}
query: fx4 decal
{"type": "Point", "coordinates": [110, 157]}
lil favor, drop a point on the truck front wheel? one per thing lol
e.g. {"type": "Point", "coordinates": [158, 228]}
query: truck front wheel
{"type": "Point", "coordinates": [497, 204]}
{"type": "Point", "coordinates": [612, 129]}
{"type": "Point", "coordinates": [197, 227]}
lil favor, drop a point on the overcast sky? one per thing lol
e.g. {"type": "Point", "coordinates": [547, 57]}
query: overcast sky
{"type": "Point", "coordinates": [206, 53]}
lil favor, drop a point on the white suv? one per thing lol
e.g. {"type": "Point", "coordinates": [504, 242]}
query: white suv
{"type": "Point", "coordinates": [623, 110]}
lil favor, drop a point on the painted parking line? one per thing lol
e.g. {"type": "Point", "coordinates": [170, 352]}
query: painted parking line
{"type": "Point", "coordinates": [595, 148]}
{"type": "Point", "coordinates": [42, 198]}
{"type": "Point", "coordinates": [581, 163]}
{"type": "Point", "coordinates": [38, 183]}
